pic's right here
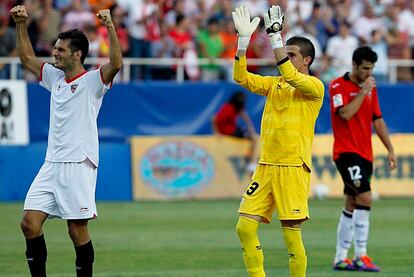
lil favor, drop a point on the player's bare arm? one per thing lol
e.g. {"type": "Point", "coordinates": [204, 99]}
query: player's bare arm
{"type": "Point", "coordinates": [350, 109]}
{"type": "Point", "coordinates": [24, 46]}
{"type": "Point", "coordinates": [110, 69]}
{"type": "Point", "coordinates": [382, 132]}
{"type": "Point", "coordinates": [247, 120]}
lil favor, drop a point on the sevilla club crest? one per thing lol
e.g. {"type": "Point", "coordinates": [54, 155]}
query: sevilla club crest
{"type": "Point", "coordinates": [73, 88]}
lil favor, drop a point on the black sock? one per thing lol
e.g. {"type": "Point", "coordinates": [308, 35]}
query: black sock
{"type": "Point", "coordinates": [84, 259]}
{"type": "Point", "coordinates": [36, 254]}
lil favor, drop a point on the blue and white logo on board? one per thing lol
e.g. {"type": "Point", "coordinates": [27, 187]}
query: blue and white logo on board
{"type": "Point", "coordinates": [177, 168]}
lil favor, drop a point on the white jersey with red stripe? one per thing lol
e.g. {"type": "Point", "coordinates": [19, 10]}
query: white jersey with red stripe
{"type": "Point", "coordinates": [74, 108]}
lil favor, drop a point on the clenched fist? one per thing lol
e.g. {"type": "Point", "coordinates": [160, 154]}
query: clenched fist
{"type": "Point", "coordinates": [105, 17]}
{"type": "Point", "coordinates": [19, 14]}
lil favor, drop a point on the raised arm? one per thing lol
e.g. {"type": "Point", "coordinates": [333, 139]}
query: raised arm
{"type": "Point", "coordinates": [274, 23]}
{"type": "Point", "coordinates": [109, 70]}
{"type": "Point", "coordinates": [24, 46]}
{"type": "Point", "coordinates": [255, 83]}
{"type": "Point", "coordinates": [293, 67]}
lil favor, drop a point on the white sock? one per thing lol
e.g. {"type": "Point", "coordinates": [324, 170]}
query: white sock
{"type": "Point", "coordinates": [345, 233]}
{"type": "Point", "coordinates": [361, 227]}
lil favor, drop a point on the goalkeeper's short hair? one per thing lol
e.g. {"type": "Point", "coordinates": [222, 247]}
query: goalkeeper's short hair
{"type": "Point", "coordinates": [305, 45]}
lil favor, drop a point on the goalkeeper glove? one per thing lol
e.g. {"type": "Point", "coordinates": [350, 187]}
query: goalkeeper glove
{"type": "Point", "coordinates": [244, 27]}
{"type": "Point", "coordinates": [274, 23]}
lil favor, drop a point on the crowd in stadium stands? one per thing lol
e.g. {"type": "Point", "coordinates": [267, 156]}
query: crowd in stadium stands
{"type": "Point", "coordinates": [192, 29]}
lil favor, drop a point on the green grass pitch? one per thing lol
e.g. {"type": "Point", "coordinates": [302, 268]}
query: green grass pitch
{"type": "Point", "coordinates": [197, 238]}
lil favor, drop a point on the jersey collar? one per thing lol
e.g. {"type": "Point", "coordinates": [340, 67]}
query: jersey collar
{"type": "Point", "coordinates": [76, 77]}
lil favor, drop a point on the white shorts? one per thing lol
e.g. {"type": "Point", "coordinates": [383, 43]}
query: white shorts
{"type": "Point", "coordinates": [65, 190]}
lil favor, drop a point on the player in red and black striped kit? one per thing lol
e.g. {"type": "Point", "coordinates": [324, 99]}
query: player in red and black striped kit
{"type": "Point", "coordinates": [354, 110]}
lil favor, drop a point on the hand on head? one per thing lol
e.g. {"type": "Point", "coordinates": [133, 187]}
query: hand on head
{"type": "Point", "coordinates": [19, 13]}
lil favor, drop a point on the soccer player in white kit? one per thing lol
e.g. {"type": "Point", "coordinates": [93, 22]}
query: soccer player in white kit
{"type": "Point", "coordinates": [65, 184]}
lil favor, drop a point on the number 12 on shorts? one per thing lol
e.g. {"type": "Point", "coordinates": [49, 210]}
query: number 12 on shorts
{"type": "Point", "coordinates": [355, 172]}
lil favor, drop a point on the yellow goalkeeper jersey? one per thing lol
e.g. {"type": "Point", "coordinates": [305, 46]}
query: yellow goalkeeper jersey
{"type": "Point", "coordinates": [288, 121]}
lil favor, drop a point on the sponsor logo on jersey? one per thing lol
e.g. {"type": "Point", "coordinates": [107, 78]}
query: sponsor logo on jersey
{"type": "Point", "coordinates": [335, 85]}
{"type": "Point", "coordinates": [177, 168]}
{"type": "Point", "coordinates": [337, 100]}
{"type": "Point", "coordinates": [82, 210]}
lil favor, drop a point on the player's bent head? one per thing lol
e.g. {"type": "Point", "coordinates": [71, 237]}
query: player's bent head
{"type": "Point", "coordinates": [364, 53]}
{"type": "Point", "coordinates": [77, 42]}
{"type": "Point", "coordinates": [307, 49]}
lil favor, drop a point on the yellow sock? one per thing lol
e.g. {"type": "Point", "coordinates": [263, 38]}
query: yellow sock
{"type": "Point", "coordinates": [252, 250]}
{"type": "Point", "coordinates": [296, 250]}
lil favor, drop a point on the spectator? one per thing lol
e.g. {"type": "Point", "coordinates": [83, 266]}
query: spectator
{"type": "Point", "coordinates": [364, 25]}
{"type": "Point", "coordinates": [185, 48]}
{"type": "Point", "coordinates": [78, 17]}
{"type": "Point", "coordinates": [163, 48]}
{"type": "Point", "coordinates": [143, 27]}
{"type": "Point", "coordinates": [340, 49]}
{"type": "Point", "coordinates": [225, 123]}
{"type": "Point", "coordinates": [320, 25]}
{"type": "Point", "coordinates": [171, 15]}
{"type": "Point", "coordinates": [7, 45]}
{"type": "Point", "coordinates": [229, 39]}
{"type": "Point", "coordinates": [379, 45]}
{"type": "Point", "coordinates": [341, 13]}
{"type": "Point", "coordinates": [406, 23]}
{"type": "Point", "coordinates": [63, 5]}
{"type": "Point", "coordinates": [256, 7]}
{"type": "Point", "coordinates": [224, 10]}
{"type": "Point", "coordinates": [398, 47]}
{"type": "Point", "coordinates": [91, 32]}
{"type": "Point", "coordinates": [211, 47]}
{"type": "Point", "coordinates": [48, 24]}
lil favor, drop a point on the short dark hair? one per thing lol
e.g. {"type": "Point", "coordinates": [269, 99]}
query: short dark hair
{"type": "Point", "coordinates": [179, 18]}
{"type": "Point", "coordinates": [364, 53]}
{"type": "Point", "coordinates": [77, 41]}
{"type": "Point", "coordinates": [305, 45]}
{"type": "Point", "coordinates": [238, 100]}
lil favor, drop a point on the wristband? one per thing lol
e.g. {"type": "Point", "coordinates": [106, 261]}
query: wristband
{"type": "Point", "coordinates": [276, 41]}
{"type": "Point", "coordinates": [242, 43]}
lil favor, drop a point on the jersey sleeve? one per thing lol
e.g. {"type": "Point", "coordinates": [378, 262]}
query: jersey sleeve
{"type": "Point", "coordinates": [376, 112]}
{"type": "Point", "coordinates": [48, 76]}
{"type": "Point", "coordinates": [308, 85]}
{"type": "Point", "coordinates": [100, 86]}
{"type": "Point", "coordinates": [337, 96]}
{"type": "Point", "coordinates": [253, 82]}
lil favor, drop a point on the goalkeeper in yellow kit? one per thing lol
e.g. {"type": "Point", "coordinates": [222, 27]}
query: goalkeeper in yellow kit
{"type": "Point", "coordinates": [281, 179]}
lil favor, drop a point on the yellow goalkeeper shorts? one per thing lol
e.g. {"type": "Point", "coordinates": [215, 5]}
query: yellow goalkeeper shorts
{"type": "Point", "coordinates": [284, 188]}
